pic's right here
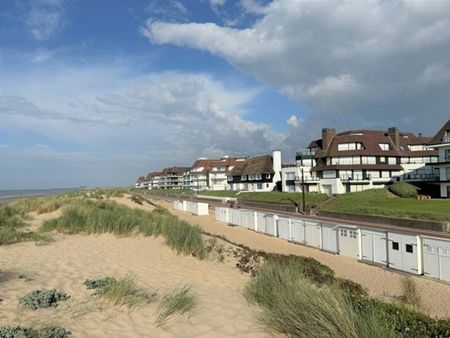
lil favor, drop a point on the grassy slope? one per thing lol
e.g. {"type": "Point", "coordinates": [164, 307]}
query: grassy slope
{"type": "Point", "coordinates": [382, 202]}
{"type": "Point", "coordinates": [282, 197]}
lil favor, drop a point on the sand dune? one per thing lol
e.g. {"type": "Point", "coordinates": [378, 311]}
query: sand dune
{"type": "Point", "coordinates": [69, 260]}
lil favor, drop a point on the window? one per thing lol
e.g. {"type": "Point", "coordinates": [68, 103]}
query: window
{"type": "Point", "coordinates": [259, 186]}
{"type": "Point", "coordinates": [343, 232]}
{"type": "Point", "coordinates": [290, 176]}
{"type": "Point", "coordinates": [258, 177]}
{"type": "Point", "coordinates": [384, 146]}
{"type": "Point", "coordinates": [409, 248]}
{"type": "Point", "coordinates": [350, 146]}
{"type": "Point", "coordinates": [447, 173]}
{"type": "Point", "coordinates": [268, 176]}
{"type": "Point", "coordinates": [395, 246]}
{"type": "Point", "coordinates": [251, 177]}
{"type": "Point", "coordinates": [230, 178]}
{"type": "Point", "coordinates": [244, 177]}
{"type": "Point", "coordinates": [353, 234]}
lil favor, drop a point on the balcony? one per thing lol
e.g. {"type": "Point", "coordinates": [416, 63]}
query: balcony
{"type": "Point", "coordinates": [308, 179]}
{"type": "Point", "coordinates": [304, 154]}
{"type": "Point", "coordinates": [421, 177]}
{"type": "Point", "coordinates": [356, 179]}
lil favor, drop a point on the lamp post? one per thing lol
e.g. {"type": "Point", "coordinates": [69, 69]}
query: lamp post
{"type": "Point", "coordinates": [303, 193]}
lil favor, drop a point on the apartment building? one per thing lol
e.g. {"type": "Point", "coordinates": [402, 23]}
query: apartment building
{"type": "Point", "coordinates": [172, 178]}
{"type": "Point", "coordinates": [356, 160]}
{"type": "Point", "coordinates": [441, 142]}
{"type": "Point", "coordinates": [141, 182]}
{"type": "Point", "coordinates": [261, 173]}
{"type": "Point", "coordinates": [153, 179]}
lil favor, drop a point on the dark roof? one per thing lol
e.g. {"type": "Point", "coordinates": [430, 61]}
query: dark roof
{"type": "Point", "coordinates": [175, 170]}
{"type": "Point", "coordinates": [358, 167]}
{"type": "Point", "coordinates": [152, 174]}
{"type": "Point", "coordinates": [371, 140]}
{"type": "Point", "coordinates": [439, 137]}
{"type": "Point", "coordinates": [254, 165]}
{"type": "Point", "coordinates": [140, 179]}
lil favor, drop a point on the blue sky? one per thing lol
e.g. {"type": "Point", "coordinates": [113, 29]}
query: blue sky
{"type": "Point", "coordinates": [98, 92]}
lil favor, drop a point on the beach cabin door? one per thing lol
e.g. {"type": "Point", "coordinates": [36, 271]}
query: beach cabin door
{"type": "Point", "coordinates": [402, 251]}
{"type": "Point", "coordinates": [348, 241]}
{"type": "Point", "coordinates": [436, 258]}
{"type": "Point", "coordinates": [312, 234]}
{"type": "Point", "coordinates": [298, 231]}
{"type": "Point", "coordinates": [374, 246]}
{"type": "Point", "coordinates": [329, 238]}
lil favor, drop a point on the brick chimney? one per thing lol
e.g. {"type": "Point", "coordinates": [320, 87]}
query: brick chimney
{"type": "Point", "coordinates": [394, 134]}
{"type": "Point", "coordinates": [327, 136]}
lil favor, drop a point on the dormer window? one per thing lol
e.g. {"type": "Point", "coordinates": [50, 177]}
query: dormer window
{"type": "Point", "coordinates": [384, 146]}
{"type": "Point", "coordinates": [446, 138]}
{"type": "Point", "coordinates": [350, 146]}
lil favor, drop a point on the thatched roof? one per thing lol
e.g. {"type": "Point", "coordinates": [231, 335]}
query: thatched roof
{"type": "Point", "coordinates": [254, 165]}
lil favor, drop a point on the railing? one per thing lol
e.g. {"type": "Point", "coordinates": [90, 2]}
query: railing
{"type": "Point", "coordinates": [304, 154]}
{"type": "Point", "coordinates": [428, 177]}
{"type": "Point", "coordinates": [355, 178]}
{"type": "Point", "coordinates": [307, 178]}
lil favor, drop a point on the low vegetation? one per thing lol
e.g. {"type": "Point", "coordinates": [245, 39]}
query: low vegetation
{"type": "Point", "coordinates": [181, 301]}
{"type": "Point", "coordinates": [22, 332]}
{"type": "Point", "coordinates": [410, 294]}
{"type": "Point", "coordinates": [123, 291]}
{"type": "Point", "coordinates": [100, 217]}
{"type": "Point", "coordinates": [403, 189]}
{"type": "Point", "coordinates": [302, 298]}
{"type": "Point", "coordinates": [382, 202]}
{"type": "Point", "coordinates": [42, 299]}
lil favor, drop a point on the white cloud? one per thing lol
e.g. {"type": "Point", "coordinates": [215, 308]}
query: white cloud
{"type": "Point", "coordinates": [293, 121]}
{"type": "Point", "coordinates": [351, 64]}
{"type": "Point", "coordinates": [159, 119]}
{"type": "Point", "coordinates": [217, 2]}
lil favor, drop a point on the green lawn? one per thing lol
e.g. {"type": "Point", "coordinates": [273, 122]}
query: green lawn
{"type": "Point", "coordinates": [272, 196]}
{"type": "Point", "coordinates": [164, 191]}
{"type": "Point", "coordinates": [382, 202]}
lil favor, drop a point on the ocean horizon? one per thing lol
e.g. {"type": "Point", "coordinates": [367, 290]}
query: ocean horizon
{"type": "Point", "coordinates": [17, 193]}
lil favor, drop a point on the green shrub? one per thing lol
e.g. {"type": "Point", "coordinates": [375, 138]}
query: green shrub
{"type": "Point", "coordinates": [99, 283]}
{"type": "Point", "coordinates": [122, 291]}
{"type": "Point", "coordinates": [410, 294]}
{"type": "Point", "coordinates": [45, 332]}
{"type": "Point", "coordinates": [178, 301]}
{"type": "Point", "coordinates": [42, 299]}
{"type": "Point", "coordinates": [403, 189]}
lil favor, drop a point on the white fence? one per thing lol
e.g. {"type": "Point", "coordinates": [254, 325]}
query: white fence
{"type": "Point", "coordinates": [422, 255]}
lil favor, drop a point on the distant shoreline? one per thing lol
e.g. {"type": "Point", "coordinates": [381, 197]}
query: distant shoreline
{"type": "Point", "coordinates": [12, 195]}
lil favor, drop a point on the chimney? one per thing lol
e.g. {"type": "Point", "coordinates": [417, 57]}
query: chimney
{"type": "Point", "coordinates": [327, 136]}
{"type": "Point", "coordinates": [276, 161]}
{"type": "Point", "coordinates": [394, 134]}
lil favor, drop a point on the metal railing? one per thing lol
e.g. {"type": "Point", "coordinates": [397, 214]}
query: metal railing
{"type": "Point", "coordinates": [428, 177]}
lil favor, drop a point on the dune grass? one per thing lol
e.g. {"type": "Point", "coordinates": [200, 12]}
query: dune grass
{"type": "Point", "coordinates": [180, 300]}
{"type": "Point", "coordinates": [382, 202]}
{"type": "Point", "coordinates": [410, 294]}
{"type": "Point", "coordinates": [123, 291]}
{"type": "Point", "coordinates": [89, 216]}
{"type": "Point", "coordinates": [294, 305]}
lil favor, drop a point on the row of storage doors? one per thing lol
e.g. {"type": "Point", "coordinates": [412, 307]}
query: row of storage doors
{"type": "Point", "coordinates": [395, 250]}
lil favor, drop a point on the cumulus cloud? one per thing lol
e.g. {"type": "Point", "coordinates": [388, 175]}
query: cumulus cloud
{"type": "Point", "coordinates": [293, 121]}
{"type": "Point", "coordinates": [351, 64]}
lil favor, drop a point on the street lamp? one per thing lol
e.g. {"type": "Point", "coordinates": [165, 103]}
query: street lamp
{"type": "Point", "coordinates": [303, 192]}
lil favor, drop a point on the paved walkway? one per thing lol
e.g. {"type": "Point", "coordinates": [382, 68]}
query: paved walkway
{"type": "Point", "coordinates": [380, 282]}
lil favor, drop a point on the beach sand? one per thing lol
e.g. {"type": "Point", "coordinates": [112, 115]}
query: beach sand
{"type": "Point", "coordinates": [380, 282]}
{"type": "Point", "coordinates": [65, 263]}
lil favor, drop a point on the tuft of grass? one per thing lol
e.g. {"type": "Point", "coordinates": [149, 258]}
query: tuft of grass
{"type": "Point", "coordinates": [42, 299]}
{"type": "Point", "coordinates": [298, 307]}
{"type": "Point", "coordinates": [120, 292]}
{"type": "Point", "coordinates": [410, 294]}
{"type": "Point", "coordinates": [179, 301]}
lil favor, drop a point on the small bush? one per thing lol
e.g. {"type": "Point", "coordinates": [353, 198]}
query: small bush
{"type": "Point", "coordinates": [178, 301]}
{"type": "Point", "coordinates": [99, 283]}
{"type": "Point", "coordinates": [403, 189]}
{"type": "Point", "coordinates": [21, 332]}
{"type": "Point", "coordinates": [121, 292]}
{"type": "Point", "coordinates": [42, 299]}
{"type": "Point", "coordinates": [410, 294]}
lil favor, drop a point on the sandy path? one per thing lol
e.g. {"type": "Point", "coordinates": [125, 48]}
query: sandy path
{"type": "Point", "coordinates": [67, 262]}
{"type": "Point", "coordinates": [380, 282]}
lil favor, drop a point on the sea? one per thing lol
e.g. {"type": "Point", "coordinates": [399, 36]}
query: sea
{"type": "Point", "coordinates": [7, 196]}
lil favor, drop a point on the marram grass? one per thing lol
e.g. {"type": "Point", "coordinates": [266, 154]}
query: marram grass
{"type": "Point", "coordinates": [100, 217]}
{"type": "Point", "coordinates": [180, 300]}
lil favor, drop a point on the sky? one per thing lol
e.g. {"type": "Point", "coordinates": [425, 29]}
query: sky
{"type": "Point", "coordinates": [99, 92]}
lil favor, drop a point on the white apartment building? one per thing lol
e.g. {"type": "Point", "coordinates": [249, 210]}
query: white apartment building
{"type": "Point", "coordinates": [441, 142]}
{"type": "Point", "coordinates": [357, 160]}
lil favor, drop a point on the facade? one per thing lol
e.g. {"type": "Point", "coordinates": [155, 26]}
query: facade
{"type": "Point", "coordinates": [153, 180]}
{"type": "Point", "coordinates": [141, 182]}
{"type": "Point", "coordinates": [172, 178]}
{"type": "Point", "coordinates": [261, 173]}
{"type": "Point", "coordinates": [357, 160]}
{"type": "Point", "coordinates": [441, 142]}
